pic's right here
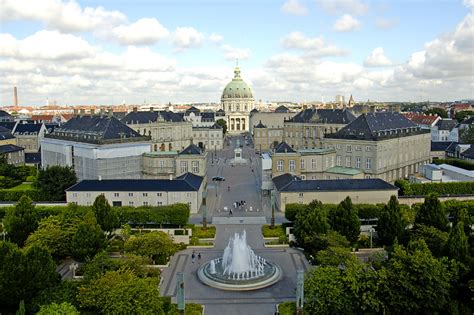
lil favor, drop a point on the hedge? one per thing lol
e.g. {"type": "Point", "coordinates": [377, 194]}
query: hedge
{"type": "Point", "coordinates": [451, 188]}
{"type": "Point", "coordinates": [454, 162]}
{"type": "Point", "coordinates": [292, 209]}
{"type": "Point", "coordinates": [15, 195]}
{"type": "Point", "coordinates": [177, 214]}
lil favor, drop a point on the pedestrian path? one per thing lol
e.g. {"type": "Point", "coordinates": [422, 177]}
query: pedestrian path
{"type": "Point", "coordinates": [239, 220]}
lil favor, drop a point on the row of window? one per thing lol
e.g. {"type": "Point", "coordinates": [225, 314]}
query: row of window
{"type": "Point", "coordinates": [357, 164]}
{"type": "Point", "coordinates": [349, 147]}
{"type": "Point", "coordinates": [292, 164]}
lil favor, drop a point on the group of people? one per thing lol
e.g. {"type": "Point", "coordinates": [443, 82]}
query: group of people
{"type": "Point", "coordinates": [193, 257]}
{"type": "Point", "coordinates": [239, 204]}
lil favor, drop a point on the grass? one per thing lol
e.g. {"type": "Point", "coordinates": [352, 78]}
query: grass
{"type": "Point", "coordinates": [24, 186]}
{"type": "Point", "coordinates": [199, 232]}
{"type": "Point", "coordinates": [190, 309]}
{"type": "Point", "coordinates": [287, 308]}
{"type": "Point", "coordinates": [275, 232]}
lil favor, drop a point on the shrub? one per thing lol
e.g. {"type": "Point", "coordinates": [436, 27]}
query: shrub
{"type": "Point", "coordinates": [199, 232]}
{"type": "Point", "coordinates": [287, 308]}
{"type": "Point", "coordinates": [458, 163]}
{"type": "Point", "coordinates": [177, 215]}
{"type": "Point", "coordinates": [278, 231]}
{"type": "Point", "coordinates": [450, 188]}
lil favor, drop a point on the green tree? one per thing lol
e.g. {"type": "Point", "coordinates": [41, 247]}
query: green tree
{"type": "Point", "coordinates": [309, 225]}
{"type": "Point", "coordinates": [349, 290]}
{"type": "Point", "coordinates": [65, 291]}
{"type": "Point", "coordinates": [416, 282]}
{"type": "Point", "coordinates": [104, 213]}
{"type": "Point", "coordinates": [467, 135]}
{"type": "Point", "coordinates": [345, 220]}
{"type": "Point", "coordinates": [55, 233]}
{"type": "Point", "coordinates": [437, 111]}
{"type": "Point", "coordinates": [431, 213]}
{"type": "Point", "coordinates": [155, 245]}
{"type": "Point", "coordinates": [88, 240]}
{"type": "Point", "coordinates": [21, 221]}
{"type": "Point", "coordinates": [24, 273]}
{"type": "Point", "coordinates": [390, 224]}
{"type": "Point", "coordinates": [64, 308]}
{"type": "Point", "coordinates": [435, 239]}
{"type": "Point", "coordinates": [221, 122]}
{"type": "Point", "coordinates": [21, 309]}
{"type": "Point", "coordinates": [54, 180]}
{"type": "Point", "coordinates": [461, 115]}
{"type": "Point", "coordinates": [335, 256]}
{"type": "Point", "coordinates": [122, 292]}
{"type": "Point", "coordinates": [458, 246]}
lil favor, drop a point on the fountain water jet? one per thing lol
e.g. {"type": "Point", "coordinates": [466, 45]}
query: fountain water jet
{"type": "Point", "coordinates": [239, 269]}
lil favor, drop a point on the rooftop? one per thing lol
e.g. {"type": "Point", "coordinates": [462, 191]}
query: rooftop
{"type": "Point", "coordinates": [328, 116]}
{"type": "Point", "coordinates": [7, 148]}
{"type": "Point", "coordinates": [283, 147]}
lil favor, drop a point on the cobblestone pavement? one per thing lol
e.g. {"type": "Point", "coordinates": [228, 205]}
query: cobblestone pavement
{"type": "Point", "coordinates": [244, 185]}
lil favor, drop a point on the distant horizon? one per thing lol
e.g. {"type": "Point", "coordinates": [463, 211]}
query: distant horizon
{"type": "Point", "coordinates": [107, 52]}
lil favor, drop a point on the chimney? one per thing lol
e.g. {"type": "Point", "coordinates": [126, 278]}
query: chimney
{"type": "Point", "coordinates": [82, 112]}
{"type": "Point", "coordinates": [171, 177]}
{"type": "Point", "coordinates": [365, 109]}
{"type": "Point", "coordinates": [102, 112]}
{"type": "Point", "coordinates": [15, 97]}
{"type": "Point", "coordinates": [151, 109]}
{"type": "Point", "coordinates": [76, 111]}
{"type": "Point", "coordinates": [135, 109]}
{"type": "Point", "coordinates": [92, 112]}
{"type": "Point", "coordinates": [111, 112]}
{"type": "Point", "coordinates": [372, 109]}
{"type": "Point", "coordinates": [100, 177]}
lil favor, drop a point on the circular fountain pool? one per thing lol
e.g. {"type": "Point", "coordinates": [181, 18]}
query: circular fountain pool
{"type": "Point", "coordinates": [239, 269]}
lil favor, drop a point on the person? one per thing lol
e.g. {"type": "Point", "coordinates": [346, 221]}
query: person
{"type": "Point", "coordinates": [193, 257]}
{"type": "Point", "coordinates": [230, 213]}
{"type": "Point", "coordinates": [228, 188]}
{"type": "Point", "coordinates": [199, 257]}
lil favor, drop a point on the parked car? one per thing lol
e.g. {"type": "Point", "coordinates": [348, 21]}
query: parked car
{"type": "Point", "coordinates": [218, 178]}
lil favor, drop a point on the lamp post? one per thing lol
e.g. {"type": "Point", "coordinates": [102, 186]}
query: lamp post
{"type": "Point", "coordinates": [272, 204]}
{"type": "Point", "coordinates": [299, 292]}
{"type": "Point", "coordinates": [180, 293]}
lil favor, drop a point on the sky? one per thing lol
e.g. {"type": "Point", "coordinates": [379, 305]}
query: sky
{"type": "Point", "coordinates": [160, 51]}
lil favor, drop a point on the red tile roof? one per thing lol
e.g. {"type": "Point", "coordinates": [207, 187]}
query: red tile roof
{"type": "Point", "coordinates": [421, 119]}
{"type": "Point", "coordinates": [42, 117]}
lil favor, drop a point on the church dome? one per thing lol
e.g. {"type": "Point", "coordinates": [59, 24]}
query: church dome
{"type": "Point", "coordinates": [237, 88]}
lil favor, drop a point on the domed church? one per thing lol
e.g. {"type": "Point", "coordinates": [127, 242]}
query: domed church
{"type": "Point", "coordinates": [237, 102]}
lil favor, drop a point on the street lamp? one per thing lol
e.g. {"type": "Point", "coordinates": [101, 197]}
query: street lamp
{"type": "Point", "coordinates": [272, 204]}
{"type": "Point", "coordinates": [204, 209]}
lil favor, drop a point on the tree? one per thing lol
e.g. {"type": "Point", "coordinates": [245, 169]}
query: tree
{"type": "Point", "coordinates": [64, 308]}
{"type": "Point", "coordinates": [122, 292]}
{"type": "Point", "coordinates": [416, 282]}
{"type": "Point", "coordinates": [155, 245]}
{"type": "Point", "coordinates": [461, 115]}
{"type": "Point", "coordinates": [221, 122]}
{"type": "Point", "coordinates": [467, 135]}
{"type": "Point", "coordinates": [335, 256]}
{"type": "Point", "coordinates": [458, 246]}
{"type": "Point", "coordinates": [437, 111]}
{"type": "Point", "coordinates": [106, 217]}
{"type": "Point", "coordinates": [345, 220]}
{"type": "Point", "coordinates": [390, 224]}
{"type": "Point", "coordinates": [88, 240]}
{"type": "Point", "coordinates": [55, 233]}
{"type": "Point", "coordinates": [349, 290]}
{"type": "Point", "coordinates": [65, 291]}
{"type": "Point", "coordinates": [21, 221]}
{"type": "Point", "coordinates": [435, 239]}
{"type": "Point", "coordinates": [24, 273]}
{"type": "Point", "coordinates": [431, 213]}
{"type": "Point", "coordinates": [309, 225]}
{"type": "Point", "coordinates": [54, 180]}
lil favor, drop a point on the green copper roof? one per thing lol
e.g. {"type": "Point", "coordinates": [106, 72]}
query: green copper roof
{"type": "Point", "coordinates": [343, 170]}
{"type": "Point", "coordinates": [315, 151]}
{"type": "Point", "coordinates": [159, 153]}
{"type": "Point", "coordinates": [237, 88]}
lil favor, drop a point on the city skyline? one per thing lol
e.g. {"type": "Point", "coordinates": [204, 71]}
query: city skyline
{"type": "Point", "coordinates": [104, 52]}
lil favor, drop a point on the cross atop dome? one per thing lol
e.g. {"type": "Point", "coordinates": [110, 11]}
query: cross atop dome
{"type": "Point", "coordinates": [237, 73]}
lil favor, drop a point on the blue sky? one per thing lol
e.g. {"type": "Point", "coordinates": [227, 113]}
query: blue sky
{"type": "Point", "coordinates": [99, 52]}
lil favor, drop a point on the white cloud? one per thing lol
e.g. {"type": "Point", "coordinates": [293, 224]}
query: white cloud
{"type": "Point", "coordinates": [336, 7]}
{"type": "Point", "coordinates": [50, 45]}
{"type": "Point", "coordinates": [187, 37]}
{"type": "Point", "coordinates": [315, 46]}
{"type": "Point", "coordinates": [346, 23]}
{"type": "Point", "coordinates": [377, 59]}
{"type": "Point", "coordinates": [386, 24]}
{"type": "Point", "coordinates": [232, 53]}
{"type": "Point", "coordinates": [293, 7]}
{"type": "Point", "coordinates": [145, 31]}
{"type": "Point", "coordinates": [216, 38]}
{"type": "Point", "coordinates": [64, 16]}
{"type": "Point", "coordinates": [144, 59]}
{"type": "Point", "coordinates": [469, 3]}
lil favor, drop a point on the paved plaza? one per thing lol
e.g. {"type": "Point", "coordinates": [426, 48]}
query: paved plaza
{"type": "Point", "coordinates": [244, 185]}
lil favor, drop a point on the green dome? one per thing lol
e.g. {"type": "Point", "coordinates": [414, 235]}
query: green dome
{"type": "Point", "coordinates": [237, 88]}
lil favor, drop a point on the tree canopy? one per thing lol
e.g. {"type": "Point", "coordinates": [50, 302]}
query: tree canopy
{"type": "Point", "coordinates": [106, 217]}
{"type": "Point", "coordinates": [54, 180]}
{"type": "Point", "coordinates": [390, 224]}
{"type": "Point", "coordinates": [88, 240]}
{"type": "Point", "coordinates": [345, 220]}
{"type": "Point", "coordinates": [437, 111]}
{"type": "Point", "coordinates": [21, 221]}
{"type": "Point", "coordinates": [155, 245]}
{"type": "Point", "coordinates": [221, 122]}
{"type": "Point", "coordinates": [431, 213]}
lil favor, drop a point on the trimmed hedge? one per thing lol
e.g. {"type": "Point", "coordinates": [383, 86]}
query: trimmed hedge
{"type": "Point", "coordinates": [454, 162]}
{"type": "Point", "coordinates": [451, 188]}
{"type": "Point", "coordinates": [292, 209]}
{"type": "Point", "coordinates": [177, 214]}
{"type": "Point", "coordinates": [15, 195]}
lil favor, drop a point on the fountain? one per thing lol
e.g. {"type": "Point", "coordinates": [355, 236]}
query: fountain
{"type": "Point", "coordinates": [239, 269]}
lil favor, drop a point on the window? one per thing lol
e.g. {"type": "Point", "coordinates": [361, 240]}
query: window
{"type": "Point", "coordinates": [116, 195]}
{"type": "Point", "coordinates": [368, 163]}
{"type": "Point", "coordinates": [159, 194]}
{"type": "Point", "coordinates": [130, 194]}
{"type": "Point", "coordinates": [338, 146]}
{"type": "Point", "coordinates": [74, 194]}
{"type": "Point", "coordinates": [280, 165]}
{"type": "Point", "coordinates": [313, 164]}
{"type": "Point", "coordinates": [162, 163]}
{"type": "Point", "coordinates": [348, 161]}
{"type": "Point", "coordinates": [303, 177]}
{"type": "Point", "coordinates": [130, 203]}
{"type": "Point", "coordinates": [145, 194]}
{"type": "Point", "coordinates": [358, 148]}
{"type": "Point", "coordinates": [160, 203]}
{"type": "Point", "coordinates": [145, 203]}
{"type": "Point", "coordinates": [302, 164]}
{"type": "Point", "coordinates": [195, 165]}
{"type": "Point", "coordinates": [88, 203]}
{"type": "Point", "coordinates": [357, 162]}
{"type": "Point", "coordinates": [88, 194]}
{"type": "Point", "coordinates": [338, 160]}
{"type": "Point", "coordinates": [184, 166]}
{"type": "Point", "coordinates": [301, 195]}
{"type": "Point", "coordinates": [292, 165]}
{"type": "Point", "coordinates": [368, 149]}
{"type": "Point", "coordinates": [348, 148]}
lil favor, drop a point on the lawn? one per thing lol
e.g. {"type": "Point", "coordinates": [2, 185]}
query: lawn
{"type": "Point", "coordinates": [277, 231]}
{"type": "Point", "coordinates": [199, 232]}
{"type": "Point", "coordinates": [24, 186]}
